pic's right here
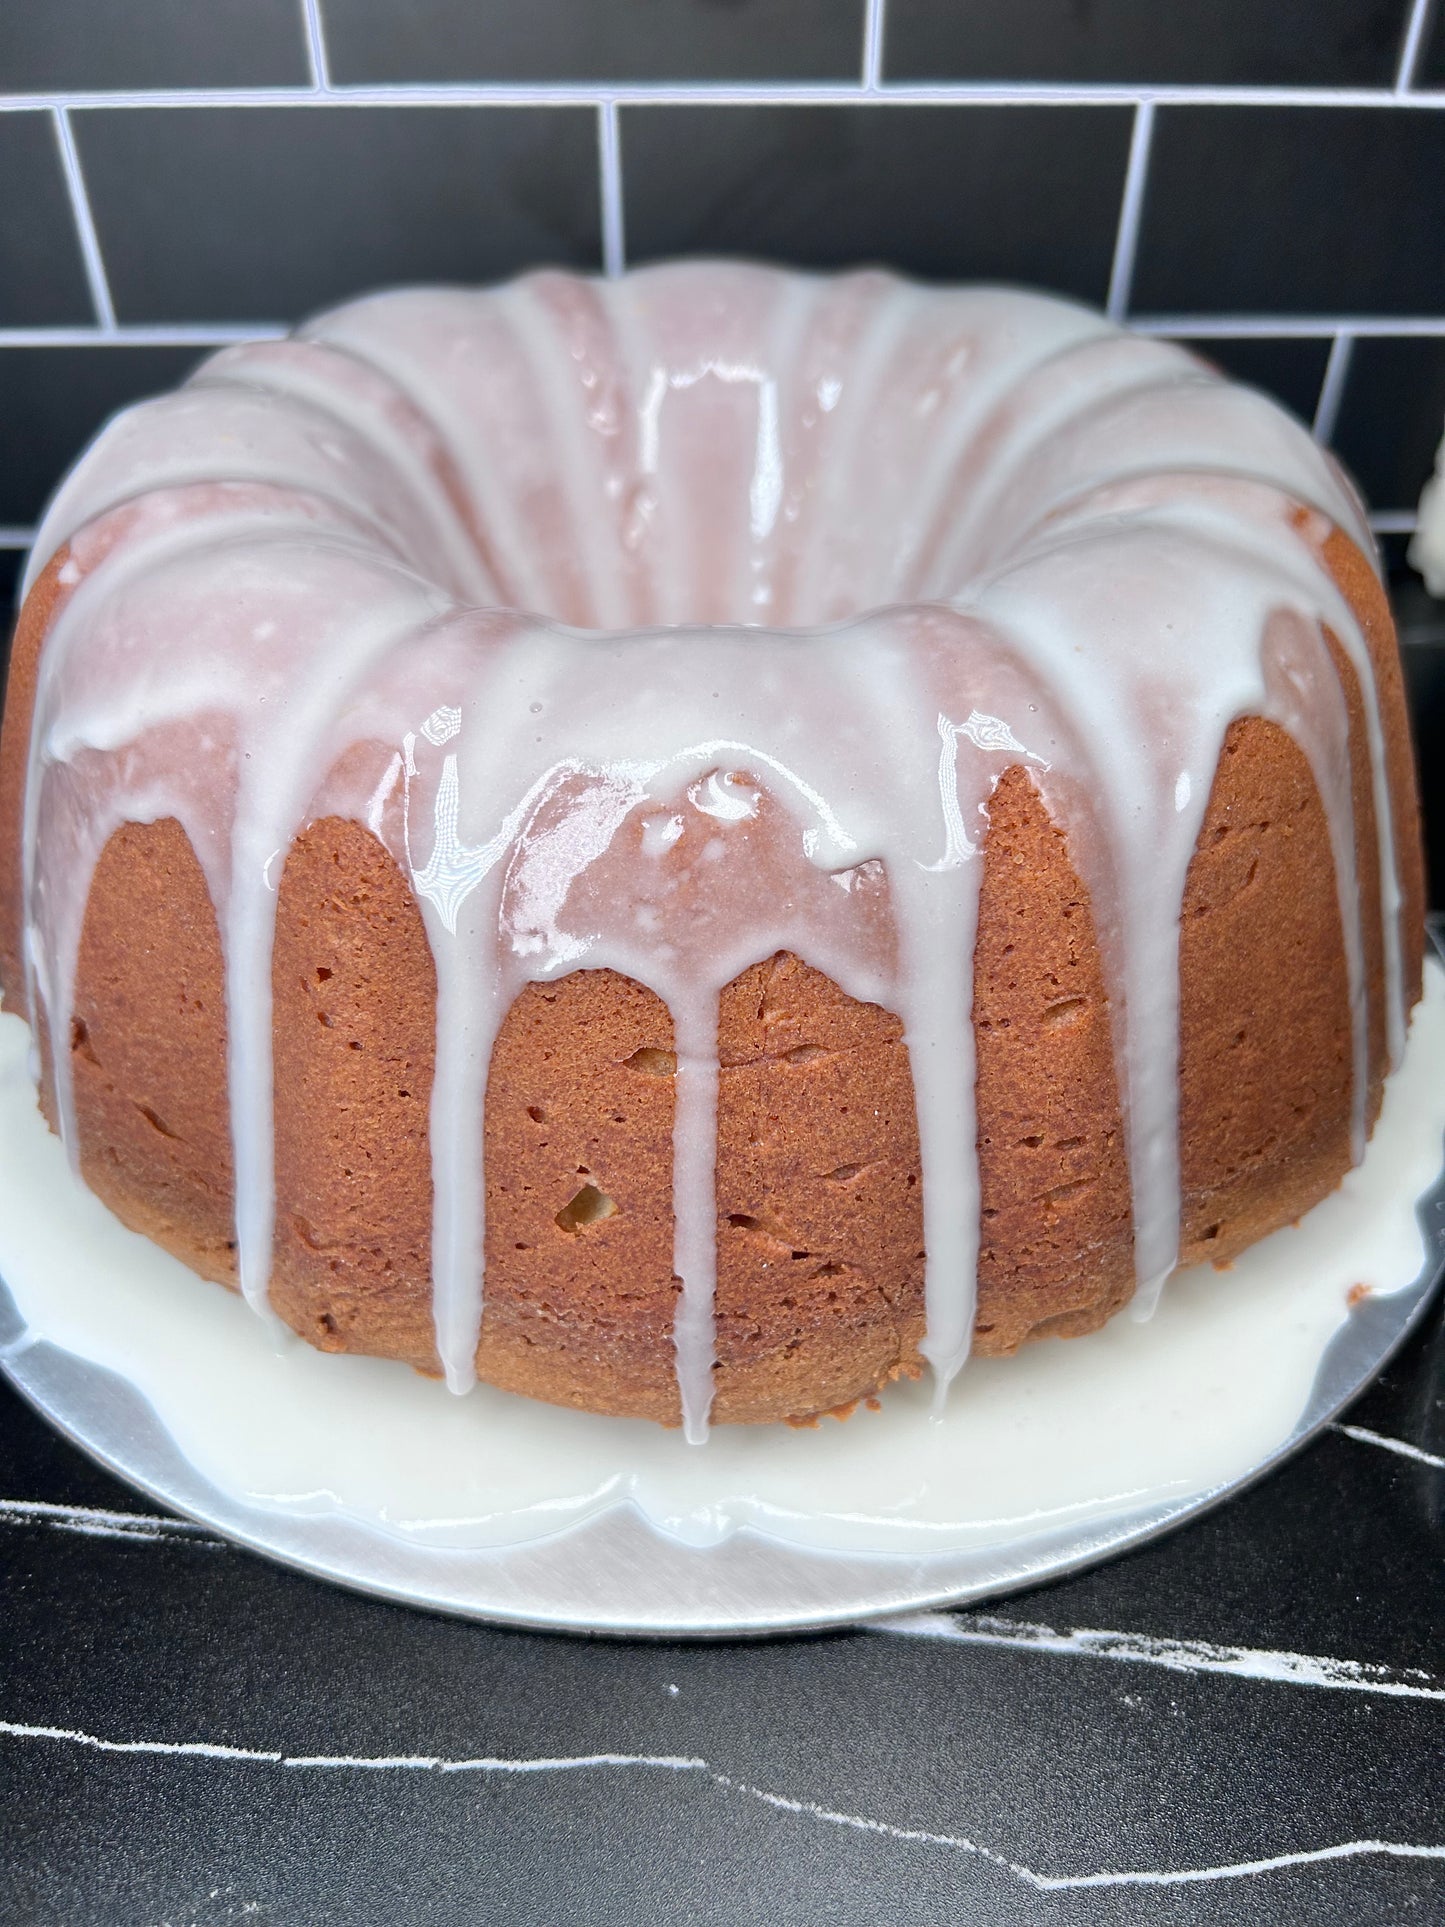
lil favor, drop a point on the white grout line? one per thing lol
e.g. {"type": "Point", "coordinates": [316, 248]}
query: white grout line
{"type": "Point", "coordinates": [1131, 209]}
{"type": "Point", "coordinates": [1332, 388]}
{"type": "Point", "coordinates": [609, 172]}
{"type": "Point", "coordinates": [1412, 45]}
{"type": "Point", "coordinates": [84, 222]}
{"type": "Point", "coordinates": [94, 1522]}
{"type": "Point", "coordinates": [1401, 1447]}
{"type": "Point", "coordinates": [161, 335]}
{"type": "Point", "coordinates": [1304, 327]}
{"type": "Point", "coordinates": [315, 31]}
{"type": "Point", "coordinates": [316, 55]}
{"type": "Point", "coordinates": [735, 94]}
{"type": "Point", "coordinates": [1204, 327]}
{"type": "Point", "coordinates": [873, 25]}
{"type": "Point", "coordinates": [692, 1764]}
{"type": "Point", "coordinates": [1256, 1664]}
{"type": "Point", "coordinates": [15, 538]}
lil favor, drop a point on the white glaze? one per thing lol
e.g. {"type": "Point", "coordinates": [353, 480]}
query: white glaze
{"type": "Point", "coordinates": [1062, 1434]}
{"type": "Point", "coordinates": [1427, 546]}
{"type": "Point", "coordinates": [1086, 553]}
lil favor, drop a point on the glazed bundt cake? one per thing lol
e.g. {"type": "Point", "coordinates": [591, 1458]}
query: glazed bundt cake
{"type": "Point", "coordinates": [689, 845]}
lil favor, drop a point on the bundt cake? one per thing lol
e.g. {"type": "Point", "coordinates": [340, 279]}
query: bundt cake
{"type": "Point", "coordinates": [791, 825]}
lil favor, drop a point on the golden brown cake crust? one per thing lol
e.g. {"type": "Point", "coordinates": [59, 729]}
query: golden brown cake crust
{"type": "Point", "coordinates": [820, 1240]}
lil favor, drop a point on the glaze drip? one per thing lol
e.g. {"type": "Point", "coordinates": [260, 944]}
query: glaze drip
{"type": "Point", "coordinates": [298, 588]}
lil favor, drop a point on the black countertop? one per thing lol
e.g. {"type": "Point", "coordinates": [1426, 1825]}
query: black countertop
{"type": "Point", "coordinates": [1242, 1723]}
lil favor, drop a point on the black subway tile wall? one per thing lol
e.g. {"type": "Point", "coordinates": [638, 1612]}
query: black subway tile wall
{"type": "Point", "coordinates": [1431, 71]}
{"type": "Point", "coordinates": [1309, 210]}
{"type": "Point", "coordinates": [1425, 681]}
{"type": "Point", "coordinates": [1390, 416]}
{"type": "Point", "coordinates": [52, 400]}
{"type": "Point", "coordinates": [261, 214]}
{"type": "Point", "coordinates": [42, 277]}
{"type": "Point", "coordinates": [142, 44]}
{"type": "Point", "coordinates": [999, 193]}
{"type": "Point", "coordinates": [1318, 43]}
{"type": "Point", "coordinates": [1289, 368]}
{"type": "Point", "coordinates": [1263, 180]}
{"type": "Point", "coordinates": [569, 40]}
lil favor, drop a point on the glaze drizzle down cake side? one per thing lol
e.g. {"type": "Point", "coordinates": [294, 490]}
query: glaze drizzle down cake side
{"type": "Point", "coordinates": [677, 798]}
